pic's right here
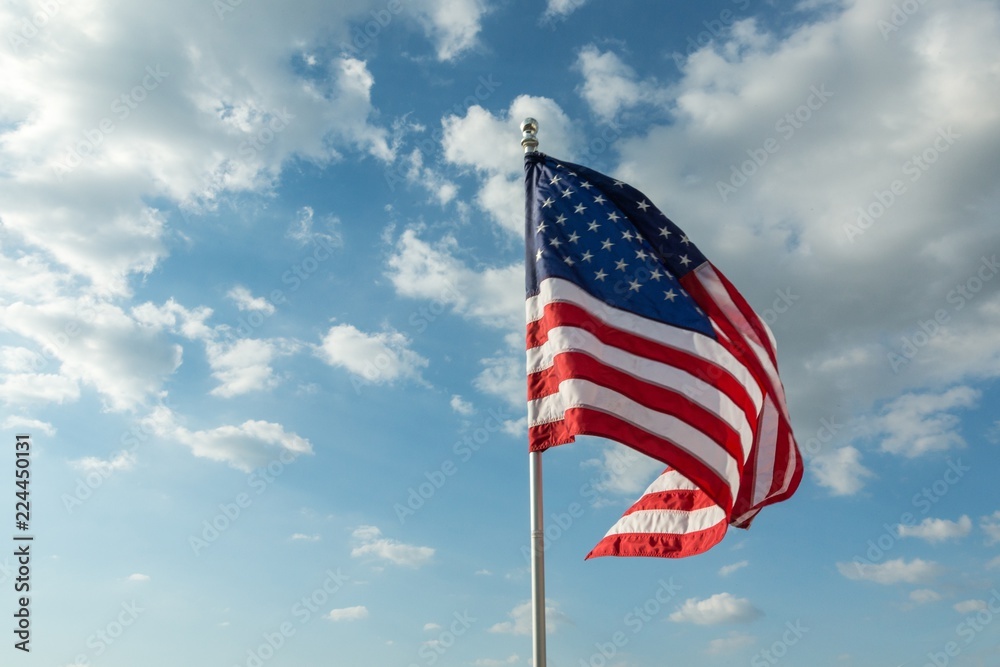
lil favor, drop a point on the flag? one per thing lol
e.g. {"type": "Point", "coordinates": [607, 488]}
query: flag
{"type": "Point", "coordinates": [673, 518]}
{"type": "Point", "coordinates": [634, 336]}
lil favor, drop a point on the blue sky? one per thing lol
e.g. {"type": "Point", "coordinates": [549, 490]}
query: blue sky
{"type": "Point", "coordinates": [261, 310]}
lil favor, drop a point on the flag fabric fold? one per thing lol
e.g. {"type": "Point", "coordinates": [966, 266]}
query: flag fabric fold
{"type": "Point", "coordinates": [634, 336]}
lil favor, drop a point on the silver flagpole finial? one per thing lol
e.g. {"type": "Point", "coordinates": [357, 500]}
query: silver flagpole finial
{"type": "Point", "coordinates": [529, 128]}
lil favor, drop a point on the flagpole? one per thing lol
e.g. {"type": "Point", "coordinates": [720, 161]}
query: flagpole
{"type": "Point", "coordinates": [530, 144]}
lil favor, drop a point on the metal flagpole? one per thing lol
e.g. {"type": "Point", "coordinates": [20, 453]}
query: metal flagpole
{"type": "Point", "coordinates": [530, 144]}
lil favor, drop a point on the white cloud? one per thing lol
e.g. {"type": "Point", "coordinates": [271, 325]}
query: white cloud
{"type": "Point", "coordinates": [371, 543]}
{"type": "Point", "coordinates": [124, 460]}
{"type": "Point", "coordinates": [520, 620]}
{"type": "Point", "coordinates": [301, 230]}
{"type": "Point", "coordinates": [717, 609]}
{"type": "Point", "coordinates": [489, 295]}
{"type": "Point", "coordinates": [969, 606]}
{"type": "Point", "coordinates": [138, 577]}
{"type": "Point", "coordinates": [244, 365]}
{"type": "Point", "coordinates": [621, 471]}
{"type": "Point", "coordinates": [727, 570]}
{"type": "Point", "coordinates": [246, 301]}
{"type": "Point", "coordinates": [892, 571]}
{"type": "Point", "coordinates": [453, 25]}
{"type": "Point", "coordinates": [26, 424]}
{"type": "Point", "coordinates": [348, 614]}
{"type": "Point", "coordinates": [462, 406]}
{"type": "Point", "coordinates": [734, 642]}
{"type": "Point", "coordinates": [557, 9]}
{"type": "Point", "coordinates": [610, 86]}
{"type": "Point", "coordinates": [991, 526]}
{"type": "Point", "coordinates": [252, 444]}
{"type": "Point", "coordinates": [938, 530]}
{"type": "Point", "coordinates": [841, 471]}
{"type": "Point", "coordinates": [431, 627]}
{"type": "Point", "coordinates": [379, 358]}
{"type": "Point", "coordinates": [512, 659]}
{"type": "Point", "coordinates": [29, 388]}
{"type": "Point", "coordinates": [915, 424]}
{"type": "Point", "coordinates": [302, 537]}
{"type": "Point", "coordinates": [924, 596]}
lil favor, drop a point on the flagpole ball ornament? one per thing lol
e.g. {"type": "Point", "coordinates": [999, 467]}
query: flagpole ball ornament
{"type": "Point", "coordinates": [529, 130]}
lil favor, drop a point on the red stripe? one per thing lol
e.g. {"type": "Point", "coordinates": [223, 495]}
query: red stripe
{"type": "Point", "coordinates": [577, 365]}
{"type": "Point", "coordinates": [570, 315]}
{"type": "Point", "coordinates": [682, 500]}
{"type": "Point", "coordinates": [664, 545]}
{"type": "Point", "coordinates": [585, 421]}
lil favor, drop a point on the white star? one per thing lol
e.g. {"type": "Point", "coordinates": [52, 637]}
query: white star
{"type": "Point", "coordinates": [641, 254]}
{"type": "Point", "coordinates": [627, 235]}
{"type": "Point", "coordinates": [580, 208]}
{"type": "Point", "coordinates": [593, 226]}
{"type": "Point", "coordinates": [574, 237]}
{"type": "Point", "coordinates": [587, 256]}
{"type": "Point", "coordinates": [567, 192]}
{"type": "Point", "coordinates": [555, 179]}
{"type": "Point", "coordinates": [585, 185]}
{"type": "Point", "coordinates": [542, 227]}
{"type": "Point", "coordinates": [655, 274]}
{"type": "Point", "coordinates": [538, 255]}
{"type": "Point", "coordinates": [561, 220]}
{"type": "Point", "coordinates": [633, 285]}
{"type": "Point", "coordinates": [619, 184]}
{"type": "Point", "coordinates": [599, 199]}
{"type": "Point", "coordinates": [548, 202]}
{"type": "Point", "coordinates": [569, 261]}
{"type": "Point", "coordinates": [643, 205]}
{"type": "Point", "coordinates": [613, 217]}
{"type": "Point", "coordinates": [621, 265]}
{"type": "Point", "coordinates": [685, 240]}
{"type": "Point", "coordinates": [670, 295]}
{"type": "Point", "coordinates": [684, 260]}
{"type": "Point", "coordinates": [607, 244]}
{"type": "Point", "coordinates": [555, 243]}
{"type": "Point", "coordinates": [600, 275]}
{"type": "Point", "coordinates": [664, 232]}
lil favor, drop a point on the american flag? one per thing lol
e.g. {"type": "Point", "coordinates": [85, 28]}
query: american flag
{"type": "Point", "coordinates": [634, 336]}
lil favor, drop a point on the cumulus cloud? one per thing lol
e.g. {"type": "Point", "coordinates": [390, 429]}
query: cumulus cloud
{"type": "Point", "coordinates": [938, 530]}
{"type": "Point", "coordinates": [347, 614]}
{"type": "Point", "coordinates": [715, 610]}
{"type": "Point", "coordinates": [727, 570]}
{"type": "Point", "coordinates": [372, 544]}
{"type": "Point", "coordinates": [841, 471]}
{"type": "Point", "coordinates": [520, 620]}
{"type": "Point", "coordinates": [453, 25]}
{"type": "Point", "coordinates": [991, 526]}
{"type": "Point", "coordinates": [970, 606]}
{"type": "Point", "coordinates": [557, 9]}
{"type": "Point", "coordinates": [378, 358]}
{"type": "Point", "coordinates": [611, 86]}
{"type": "Point", "coordinates": [891, 572]}
{"type": "Point", "coordinates": [915, 424]}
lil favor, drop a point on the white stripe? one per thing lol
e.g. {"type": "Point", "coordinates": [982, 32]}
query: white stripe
{"type": "Point", "coordinates": [671, 480]}
{"type": "Point", "coordinates": [676, 522]}
{"type": "Point", "coordinates": [552, 290]}
{"type": "Point", "coordinates": [767, 446]}
{"type": "Point", "coordinates": [575, 393]}
{"type": "Point", "coordinates": [563, 339]}
{"type": "Point", "coordinates": [710, 280]}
